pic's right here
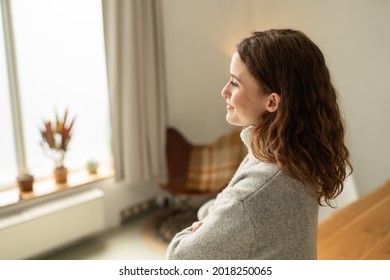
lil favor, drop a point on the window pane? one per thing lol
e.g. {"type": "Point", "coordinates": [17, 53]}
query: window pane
{"type": "Point", "coordinates": [61, 64]}
{"type": "Point", "coordinates": [8, 166]}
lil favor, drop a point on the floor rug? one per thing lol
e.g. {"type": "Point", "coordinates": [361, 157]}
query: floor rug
{"type": "Point", "coordinates": [160, 229]}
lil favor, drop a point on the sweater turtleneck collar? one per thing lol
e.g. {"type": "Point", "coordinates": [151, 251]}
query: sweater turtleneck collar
{"type": "Point", "coordinates": [245, 133]}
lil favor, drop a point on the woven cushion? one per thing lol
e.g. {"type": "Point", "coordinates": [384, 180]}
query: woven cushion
{"type": "Point", "coordinates": [212, 166]}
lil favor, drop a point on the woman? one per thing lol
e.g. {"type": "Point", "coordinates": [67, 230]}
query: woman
{"type": "Point", "coordinates": [280, 91]}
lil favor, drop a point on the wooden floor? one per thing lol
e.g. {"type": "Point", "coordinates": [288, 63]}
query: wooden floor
{"type": "Point", "coordinates": [360, 230]}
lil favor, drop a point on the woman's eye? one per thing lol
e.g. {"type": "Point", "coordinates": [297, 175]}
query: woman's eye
{"type": "Point", "coordinates": [233, 83]}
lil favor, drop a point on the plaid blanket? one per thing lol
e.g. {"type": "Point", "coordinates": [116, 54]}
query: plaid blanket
{"type": "Point", "coordinates": [212, 166]}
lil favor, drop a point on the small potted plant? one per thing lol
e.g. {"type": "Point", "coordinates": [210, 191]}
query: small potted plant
{"type": "Point", "coordinates": [55, 141]}
{"type": "Point", "coordinates": [25, 182]}
{"type": "Point", "coordinates": [92, 166]}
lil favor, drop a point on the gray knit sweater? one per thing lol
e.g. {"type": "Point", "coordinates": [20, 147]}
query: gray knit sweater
{"type": "Point", "coordinates": [262, 214]}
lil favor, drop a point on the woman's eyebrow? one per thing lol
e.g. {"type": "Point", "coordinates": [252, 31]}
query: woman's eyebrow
{"type": "Point", "coordinates": [235, 77]}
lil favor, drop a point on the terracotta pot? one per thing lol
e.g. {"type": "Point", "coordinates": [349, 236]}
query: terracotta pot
{"type": "Point", "coordinates": [25, 182]}
{"type": "Point", "coordinates": [60, 175]}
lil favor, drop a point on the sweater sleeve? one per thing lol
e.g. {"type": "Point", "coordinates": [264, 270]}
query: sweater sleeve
{"type": "Point", "coordinates": [226, 233]}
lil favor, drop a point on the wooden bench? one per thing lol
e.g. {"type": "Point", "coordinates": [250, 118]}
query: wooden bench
{"type": "Point", "coordinates": [360, 230]}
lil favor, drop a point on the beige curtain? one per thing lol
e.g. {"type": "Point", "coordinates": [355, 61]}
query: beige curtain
{"type": "Point", "coordinates": [135, 63]}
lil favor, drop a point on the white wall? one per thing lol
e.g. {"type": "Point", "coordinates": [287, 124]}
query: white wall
{"type": "Point", "coordinates": [199, 38]}
{"type": "Point", "coordinates": [353, 34]}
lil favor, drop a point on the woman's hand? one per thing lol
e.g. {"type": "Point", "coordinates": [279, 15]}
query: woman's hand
{"type": "Point", "coordinates": [197, 226]}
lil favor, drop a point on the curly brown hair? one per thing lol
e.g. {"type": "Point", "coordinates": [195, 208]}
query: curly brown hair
{"type": "Point", "coordinates": [305, 136]}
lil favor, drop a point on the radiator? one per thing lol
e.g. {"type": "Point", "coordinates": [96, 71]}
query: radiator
{"type": "Point", "coordinates": [44, 227]}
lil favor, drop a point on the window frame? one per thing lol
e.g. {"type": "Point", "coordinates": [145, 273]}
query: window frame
{"type": "Point", "coordinates": [13, 87]}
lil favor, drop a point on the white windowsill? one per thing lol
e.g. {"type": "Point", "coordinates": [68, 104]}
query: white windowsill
{"type": "Point", "coordinates": [42, 188]}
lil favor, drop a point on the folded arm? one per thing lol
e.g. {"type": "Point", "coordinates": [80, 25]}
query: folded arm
{"type": "Point", "coordinates": [226, 233]}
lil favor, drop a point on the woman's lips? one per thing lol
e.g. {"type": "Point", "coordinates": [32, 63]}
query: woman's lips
{"type": "Point", "coordinates": [228, 107]}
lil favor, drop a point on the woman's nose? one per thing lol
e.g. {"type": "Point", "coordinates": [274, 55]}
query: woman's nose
{"type": "Point", "coordinates": [225, 92]}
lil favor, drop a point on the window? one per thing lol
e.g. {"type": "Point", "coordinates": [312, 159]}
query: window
{"type": "Point", "coordinates": [60, 64]}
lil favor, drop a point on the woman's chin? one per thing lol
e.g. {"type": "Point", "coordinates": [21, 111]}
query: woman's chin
{"type": "Point", "coordinates": [233, 121]}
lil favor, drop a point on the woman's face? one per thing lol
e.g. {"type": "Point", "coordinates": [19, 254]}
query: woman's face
{"type": "Point", "coordinates": [245, 100]}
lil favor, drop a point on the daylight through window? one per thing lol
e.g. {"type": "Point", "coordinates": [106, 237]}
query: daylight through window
{"type": "Point", "coordinates": [59, 65]}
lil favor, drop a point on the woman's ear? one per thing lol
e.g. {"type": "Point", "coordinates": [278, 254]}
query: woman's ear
{"type": "Point", "coordinates": [273, 102]}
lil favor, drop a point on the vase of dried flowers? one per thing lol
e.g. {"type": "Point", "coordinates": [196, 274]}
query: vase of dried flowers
{"type": "Point", "coordinates": [55, 142]}
{"type": "Point", "coordinates": [60, 174]}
